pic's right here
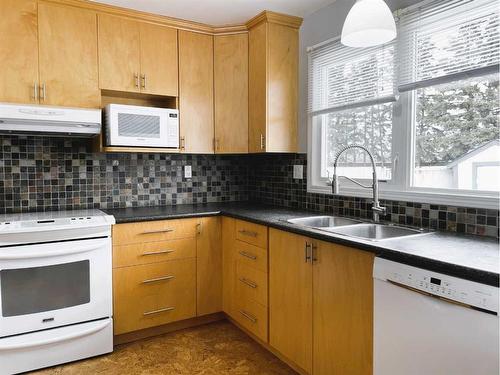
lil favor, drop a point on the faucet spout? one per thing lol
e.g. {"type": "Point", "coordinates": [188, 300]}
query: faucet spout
{"type": "Point", "coordinates": [376, 208]}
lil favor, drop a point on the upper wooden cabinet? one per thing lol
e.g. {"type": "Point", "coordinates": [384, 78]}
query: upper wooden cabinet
{"type": "Point", "coordinates": [196, 92]}
{"type": "Point", "coordinates": [273, 85]}
{"type": "Point", "coordinates": [48, 55]}
{"type": "Point", "coordinates": [68, 56]}
{"type": "Point", "coordinates": [19, 51]}
{"type": "Point", "coordinates": [137, 56]}
{"type": "Point", "coordinates": [231, 93]}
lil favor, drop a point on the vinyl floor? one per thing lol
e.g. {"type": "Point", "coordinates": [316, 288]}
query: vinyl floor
{"type": "Point", "coordinates": [214, 349]}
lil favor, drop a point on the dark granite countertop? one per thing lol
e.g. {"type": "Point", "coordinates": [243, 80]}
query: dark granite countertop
{"type": "Point", "coordinates": [469, 257]}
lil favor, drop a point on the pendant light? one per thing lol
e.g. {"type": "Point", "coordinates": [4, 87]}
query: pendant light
{"type": "Point", "coordinates": [369, 23]}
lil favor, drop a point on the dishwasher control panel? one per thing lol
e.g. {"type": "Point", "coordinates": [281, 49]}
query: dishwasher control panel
{"type": "Point", "coordinates": [452, 288]}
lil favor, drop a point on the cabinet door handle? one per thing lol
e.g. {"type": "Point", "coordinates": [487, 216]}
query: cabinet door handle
{"type": "Point", "coordinates": [157, 252]}
{"type": "Point", "coordinates": [182, 145]}
{"type": "Point", "coordinates": [43, 92]}
{"type": "Point", "coordinates": [307, 248]}
{"type": "Point", "coordinates": [143, 79]}
{"type": "Point", "coordinates": [248, 233]}
{"type": "Point", "coordinates": [158, 311]}
{"type": "Point", "coordinates": [249, 316]}
{"type": "Point", "coordinates": [136, 80]}
{"type": "Point", "coordinates": [157, 231]}
{"type": "Point", "coordinates": [248, 255]}
{"type": "Point", "coordinates": [262, 141]}
{"type": "Point", "coordinates": [163, 278]}
{"type": "Point", "coordinates": [35, 92]}
{"type": "Point", "coordinates": [314, 258]}
{"type": "Point", "coordinates": [251, 284]}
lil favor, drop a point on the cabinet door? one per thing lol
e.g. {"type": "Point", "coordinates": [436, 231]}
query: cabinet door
{"type": "Point", "coordinates": [282, 88]}
{"type": "Point", "coordinates": [343, 310]}
{"type": "Point", "coordinates": [209, 266]}
{"type": "Point", "coordinates": [231, 93]}
{"type": "Point", "coordinates": [19, 51]}
{"type": "Point", "coordinates": [228, 264]}
{"type": "Point", "coordinates": [159, 65]}
{"type": "Point", "coordinates": [196, 85]}
{"type": "Point", "coordinates": [257, 92]}
{"type": "Point", "coordinates": [119, 53]}
{"type": "Point", "coordinates": [68, 56]}
{"type": "Point", "coordinates": [290, 297]}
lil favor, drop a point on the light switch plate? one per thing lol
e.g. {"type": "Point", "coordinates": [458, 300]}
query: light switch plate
{"type": "Point", "coordinates": [187, 171]}
{"type": "Point", "coordinates": [298, 172]}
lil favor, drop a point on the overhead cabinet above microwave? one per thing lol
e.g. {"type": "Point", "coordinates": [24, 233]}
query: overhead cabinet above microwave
{"type": "Point", "coordinates": [137, 56]}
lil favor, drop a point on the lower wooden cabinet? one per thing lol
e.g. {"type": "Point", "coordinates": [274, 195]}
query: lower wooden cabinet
{"type": "Point", "coordinates": [321, 304]}
{"type": "Point", "coordinates": [245, 276]}
{"type": "Point", "coordinates": [154, 294]}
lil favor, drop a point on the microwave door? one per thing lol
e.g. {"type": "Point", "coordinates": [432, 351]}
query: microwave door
{"type": "Point", "coordinates": [135, 129]}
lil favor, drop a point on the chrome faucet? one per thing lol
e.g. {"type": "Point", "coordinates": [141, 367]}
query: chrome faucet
{"type": "Point", "coordinates": [376, 208]}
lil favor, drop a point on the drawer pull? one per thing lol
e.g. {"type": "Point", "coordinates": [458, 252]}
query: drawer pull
{"type": "Point", "coordinates": [158, 252]}
{"type": "Point", "coordinates": [248, 255]}
{"type": "Point", "coordinates": [250, 317]}
{"type": "Point", "coordinates": [158, 311]}
{"type": "Point", "coordinates": [248, 282]}
{"type": "Point", "coordinates": [170, 277]}
{"type": "Point", "coordinates": [157, 231]}
{"type": "Point", "coordinates": [248, 233]}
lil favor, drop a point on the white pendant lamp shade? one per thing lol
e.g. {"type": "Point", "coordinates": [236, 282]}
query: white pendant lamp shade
{"type": "Point", "coordinates": [369, 23]}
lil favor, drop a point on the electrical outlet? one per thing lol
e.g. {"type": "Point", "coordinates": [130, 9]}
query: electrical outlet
{"type": "Point", "coordinates": [298, 172]}
{"type": "Point", "coordinates": [187, 171]}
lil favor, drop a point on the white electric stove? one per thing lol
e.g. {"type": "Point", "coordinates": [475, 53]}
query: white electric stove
{"type": "Point", "coordinates": [55, 288]}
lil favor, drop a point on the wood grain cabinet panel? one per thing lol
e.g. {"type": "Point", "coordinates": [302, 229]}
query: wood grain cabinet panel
{"type": "Point", "coordinates": [119, 53]}
{"type": "Point", "coordinates": [254, 234]}
{"type": "Point", "coordinates": [209, 266]}
{"type": "Point", "coordinates": [250, 255]}
{"type": "Point", "coordinates": [19, 51]}
{"type": "Point", "coordinates": [251, 284]}
{"type": "Point", "coordinates": [273, 87]}
{"type": "Point", "coordinates": [196, 86]}
{"type": "Point", "coordinates": [228, 264]}
{"type": "Point", "coordinates": [343, 310]}
{"type": "Point", "coordinates": [153, 294]}
{"type": "Point", "coordinates": [68, 56]}
{"type": "Point", "coordinates": [290, 298]}
{"type": "Point", "coordinates": [159, 60]}
{"type": "Point", "coordinates": [231, 93]}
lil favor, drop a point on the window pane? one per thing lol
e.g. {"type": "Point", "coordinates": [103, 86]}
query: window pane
{"type": "Point", "coordinates": [456, 135]}
{"type": "Point", "coordinates": [370, 127]}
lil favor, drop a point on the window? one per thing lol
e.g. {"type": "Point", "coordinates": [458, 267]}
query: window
{"type": "Point", "coordinates": [425, 105]}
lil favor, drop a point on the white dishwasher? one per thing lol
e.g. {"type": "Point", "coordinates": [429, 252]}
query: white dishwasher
{"type": "Point", "coordinates": [433, 324]}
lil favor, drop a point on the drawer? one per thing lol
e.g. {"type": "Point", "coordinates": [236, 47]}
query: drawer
{"type": "Point", "coordinates": [153, 252]}
{"type": "Point", "coordinates": [251, 233]}
{"type": "Point", "coordinates": [153, 294]}
{"type": "Point", "coordinates": [251, 284]}
{"type": "Point", "coordinates": [149, 231]}
{"type": "Point", "coordinates": [251, 255]}
{"type": "Point", "coordinates": [252, 316]}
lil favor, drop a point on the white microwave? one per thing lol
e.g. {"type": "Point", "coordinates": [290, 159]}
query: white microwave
{"type": "Point", "coordinates": [130, 125]}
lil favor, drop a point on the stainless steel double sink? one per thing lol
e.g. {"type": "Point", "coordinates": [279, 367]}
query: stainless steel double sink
{"type": "Point", "coordinates": [355, 228]}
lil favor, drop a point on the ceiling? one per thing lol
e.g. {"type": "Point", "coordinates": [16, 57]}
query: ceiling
{"type": "Point", "coordinates": [220, 12]}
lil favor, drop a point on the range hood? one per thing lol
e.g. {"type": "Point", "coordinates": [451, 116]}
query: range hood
{"type": "Point", "coordinates": [45, 120]}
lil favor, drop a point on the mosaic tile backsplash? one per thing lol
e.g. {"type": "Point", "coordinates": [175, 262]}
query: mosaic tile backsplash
{"type": "Point", "coordinates": [43, 173]}
{"type": "Point", "coordinates": [271, 181]}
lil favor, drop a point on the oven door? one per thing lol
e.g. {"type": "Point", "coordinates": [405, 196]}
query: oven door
{"type": "Point", "coordinates": [54, 284]}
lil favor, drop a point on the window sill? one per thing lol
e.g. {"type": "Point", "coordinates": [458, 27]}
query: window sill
{"type": "Point", "coordinates": [439, 198]}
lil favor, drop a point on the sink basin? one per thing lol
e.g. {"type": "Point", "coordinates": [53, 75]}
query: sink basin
{"type": "Point", "coordinates": [376, 232]}
{"type": "Point", "coordinates": [323, 221]}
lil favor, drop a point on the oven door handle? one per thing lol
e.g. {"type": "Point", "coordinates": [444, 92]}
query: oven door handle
{"type": "Point", "coordinates": [47, 254]}
{"type": "Point", "coordinates": [55, 340]}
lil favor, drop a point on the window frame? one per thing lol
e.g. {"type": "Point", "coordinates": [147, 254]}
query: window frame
{"type": "Point", "coordinates": [399, 188]}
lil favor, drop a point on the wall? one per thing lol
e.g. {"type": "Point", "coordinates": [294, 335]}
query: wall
{"type": "Point", "coordinates": [324, 24]}
{"type": "Point", "coordinates": [39, 173]}
{"type": "Point", "coordinates": [271, 181]}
